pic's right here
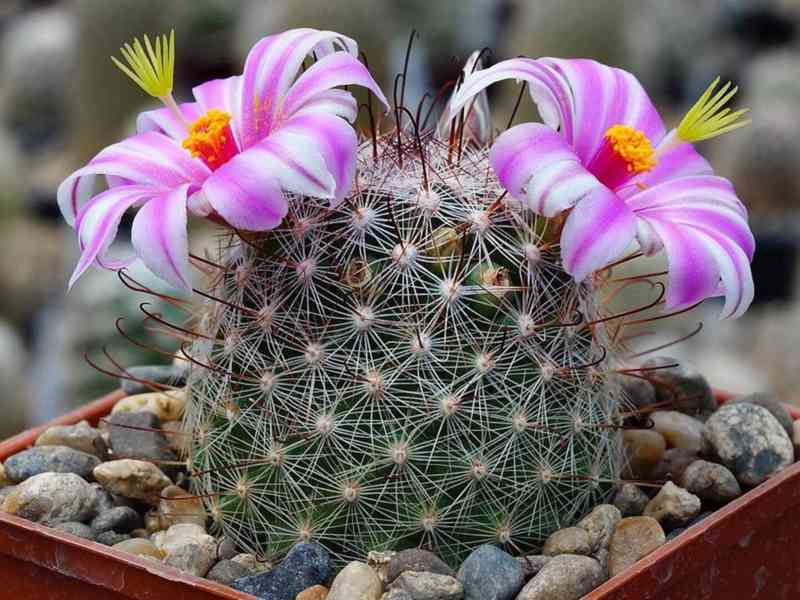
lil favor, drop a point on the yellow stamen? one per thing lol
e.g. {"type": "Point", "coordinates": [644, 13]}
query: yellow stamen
{"type": "Point", "coordinates": [151, 68]}
{"type": "Point", "coordinates": [708, 119]}
{"type": "Point", "coordinates": [209, 136]}
{"type": "Point", "coordinates": [632, 146]}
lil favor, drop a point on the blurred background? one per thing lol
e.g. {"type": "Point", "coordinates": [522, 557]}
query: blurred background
{"type": "Point", "coordinates": [62, 100]}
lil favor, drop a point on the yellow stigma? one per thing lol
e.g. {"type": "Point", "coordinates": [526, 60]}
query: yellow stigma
{"type": "Point", "coordinates": [208, 137]}
{"type": "Point", "coordinates": [632, 146]}
{"type": "Point", "coordinates": [708, 119]}
{"type": "Point", "coordinates": [151, 67]}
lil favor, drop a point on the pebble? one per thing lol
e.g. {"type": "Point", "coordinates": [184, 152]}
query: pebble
{"type": "Point", "coordinates": [570, 540]}
{"type": "Point", "coordinates": [227, 571]}
{"type": "Point", "coordinates": [139, 547]}
{"type": "Point", "coordinates": [189, 548]}
{"type": "Point", "coordinates": [679, 429]}
{"type": "Point", "coordinates": [50, 459]}
{"type": "Point", "coordinates": [532, 564]}
{"type": "Point", "coordinates": [4, 480]}
{"type": "Point", "coordinates": [673, 463]}
{"type": "Point", "coordinates": [681, 387]}
{"type": "Point", "coordinates": [315, 592]}
{"type": "Point", "coordinates": [132, 479]}
{"type": "Point", "coordinates": [773, 405]}
{"type": "Point", "coordinates": [566, 577]}
{"type": "Point", "coordinates": [177, 440]}
{"type": "Point", "coordinates": [749, 441]}
{"type": "Point", "coordinates": [112, 538]}
{"type": "Point", "coordinates": [639, 392]}
{"type": "Point", "coordinates": [103, 499]}
{"type": "Point", "coordinates": [416, 559]}
{"type": "Point", "coordinates": [167, 406]}
{"type": "Point", "coordinates": [121, 519]}
{"type": "Point", "coordinates": [711, 482]}
{"type": "Point", "coordinates": [429, 586]}
{"type": "Point", "coordinates": [630, 500]}
{"type": "Point", "coordinates": [164, 374]}
{"type": "Point", "coordinates": [80, 530]}
{"type": "Point", "coordinates": [356, 582]}
{"type": "Point", "coordinates": [379, 562]}
{"type": "Point", "coordinates": [130, 437]}
{"type": "Point", "coordinates": [52, 498]}
{"type": "Point", "coordinates": [226, 548]}
{"type": "Point", "coordinates": [305, 565]}
{"type": "Point", "coordinates": [140, 533]}
{"type": "Point", "coordinates": [179, 506]}
{"type": "Point", "coordinates": [643, 451]}
{"type": "Point", "coordinates": [600, 524]}
{"type": "Point", "coordinates": [6, 491]}
{"type": "Point", "coordinates": [634, 538]}
{"type": "Point", "coordinates": [488, 573]}
{"type": "Point", "coordinates": [251, 562]}
{"type": "Point", "coordinates": [673, 506]}
{"type": "Point", "coordinates": [80, 436]}
{"type": "Point", "coordinates": [396, 594]}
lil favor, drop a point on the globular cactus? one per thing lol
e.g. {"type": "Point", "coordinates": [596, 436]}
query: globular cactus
{"type": "Point", "coordinates": [411, 368]}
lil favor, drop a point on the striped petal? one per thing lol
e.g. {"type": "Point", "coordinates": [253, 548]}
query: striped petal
{"type": "Point", "coordinates": [149, 158]}
{"type": "Point", "coordinates": [224, 95]}
{"type": "Point", "coordinates": [596, 232]}
{"type": "Point", "coordinates": [271, 67]}
{"type": "Point", "coordinates": [537, 166]}
{"type": "Point", "coordinates": [164, 120]}
{"type": "Point", "coordinates": [477, 119]}
{"type": "Point", "coordinates": [333, 102]}
{"type": "Point", "coordinates": [97, 223]}
{"type": "Point", "coordinates": [160, 239]}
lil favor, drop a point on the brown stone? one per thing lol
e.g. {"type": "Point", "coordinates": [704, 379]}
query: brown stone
{"type": "Point", "coordinates": [315, 592]}
{"type": "Point", "coordinates": [643, 450]}
{"type": "Point", "coordinates": [634, 538]}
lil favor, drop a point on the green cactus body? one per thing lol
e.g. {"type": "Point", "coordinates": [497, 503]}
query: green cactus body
{"type": "Point", "coordinates": [411, 368]}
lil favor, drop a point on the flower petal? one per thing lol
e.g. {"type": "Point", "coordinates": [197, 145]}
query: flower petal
{"type": "Point", "coordinates": [97, 223]}
{"type": "Point", "coordinates": [269, 70]}
{"type": "Point", "coordinates": [537, 166]}
{"type": "Point", "coordinates": [160, 239]}
{"type": "Point", "coordinates": [224, 95]}
{"type": "Point", "coordinates": [596, 232]}
{"type": "Point", "coordinates": [164, 120]}
{"type": "Point", "coordinates": [149, 158]}
{"type": "Point", "coordinates": [331, 71]}
{"type": "Point", "coordinates": [478, 119]}
{"type": "Point", "coordinates": [333, 102]}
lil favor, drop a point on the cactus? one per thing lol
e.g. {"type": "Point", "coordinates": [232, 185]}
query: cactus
{"type": "Point", "coordinates": [411, 368]}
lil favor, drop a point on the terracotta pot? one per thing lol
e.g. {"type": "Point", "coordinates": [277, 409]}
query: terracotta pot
{"type": "Point", "coordinates": [745, 550]}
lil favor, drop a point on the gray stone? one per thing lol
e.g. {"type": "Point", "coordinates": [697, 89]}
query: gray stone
{"type": "Point", "coordinates": [634, 538]}
{"type": "Point", "coordinates": [50, 459]}
{"type": "Point", "coordinates": [711, 482]}
{"type": "Point", "coordinates": [77, 529]}
{"type": "Point", "coordinates": [681, 387]}
{"type": "Point", "coordinates": [600, 524]}
{"type": "Point", "coordinates": [227, 571]}
{"type": "Point", "coordinates": [111, 538]}
{"type": "Point", "coordinates": [749, 441]}
{"type": "Point", "coordinates": [161, 374]}
{"type": "Point", "coordinates": [570, 540]}
{"type": "Point", "coordinates": [52, 498]}
{"type": "Point", "coordinates": [429, 586]}
{"type": "Point", "coordinates": [305, 565]}
{"type": "Point", "coordinates": [396, 594]}
{"type": "Point", "coordinates": [356, 582]}
{"type": "Point", "coordinates": [488, 573]}
{"type": "Point", "coordinates": [80, 436]}
{"type": "Point", "coordinates": [194, 555]}
{"type": "Point", "coordinates": [416, 559]}
{"type": "Point", "coordinates": [630, 500]}
{"type": "Point", "coordinates": [773, 405]}
{"type": "Point", "coordinates": [566, 577]}
{"type": "Point", "coordinates": [131, 437]}
{"type": "Point", "coordinates": [673, 463]}
{"type": "Point", "coordinates": [226, 549]}
{"type": "Point", "coordinates": [639, 392]}
{"type": "Point", "coordinates": [673, 506]}
{"type": "Point", "coordinates": [121, 519]}
{"type": "Point", "coordinates": [532, 564]}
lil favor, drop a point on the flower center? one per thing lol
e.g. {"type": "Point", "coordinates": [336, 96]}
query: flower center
{"type": "Point", "coordinates": [211, 139]}
{"type": "Point", "coordinates": [632, 146]}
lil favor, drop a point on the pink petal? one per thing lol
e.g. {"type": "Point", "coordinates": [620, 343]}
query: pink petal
{"type": "Point", "coordinates": [269, 71]}
{"type": "Point", "coordinates": [335, 141]}
{"type": "Point", "coordinates": [334, 70]}
{"type": "Point", "coordinates": [596, 232]}
{"type": "Point", "coordinates": [537, 166]}
{"type": "Point", "coordinates": [160, 239]}
{"type": "Point", "coordinates": [477, 119]}
{"type": "Point", "coordinates": [333, 102]}
{"type": "Point", "coordinates": [97, 223]}
{"type": "Point", "coordinates": [679, 160]}
{"type": "Point", "coordinates": [737, 279]}
{"type": "Point", "coordinates": [224, 95]}
{"type": "Point", "coordinates": [163, 120]}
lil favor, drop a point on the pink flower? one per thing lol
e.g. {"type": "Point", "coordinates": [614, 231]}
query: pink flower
{"type": "Point", "coordinates": [230, 154]}
{"type": "Point", "coordinates": [604, 155]}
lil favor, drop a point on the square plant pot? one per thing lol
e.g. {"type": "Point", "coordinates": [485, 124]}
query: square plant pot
{"type": "Point", "coordinates": [744, 550]}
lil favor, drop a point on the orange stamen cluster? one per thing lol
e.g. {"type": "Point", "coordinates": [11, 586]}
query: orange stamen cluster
{"type": "Point", "coordinates": [210, 138]}
{"type": "Point", "coordinates": [632, 146]}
